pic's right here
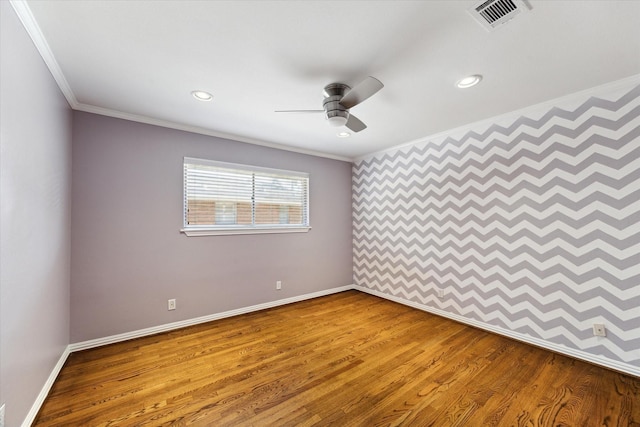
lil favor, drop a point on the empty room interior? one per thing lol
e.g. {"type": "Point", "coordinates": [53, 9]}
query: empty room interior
{"type": "Point", "coordinates": [349, 213]}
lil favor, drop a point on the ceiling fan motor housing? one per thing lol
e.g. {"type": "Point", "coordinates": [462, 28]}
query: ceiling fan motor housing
{"type": "Point", "coordinates": [335, 89]}
{"type": "Point", "coordinates": [336, 114]}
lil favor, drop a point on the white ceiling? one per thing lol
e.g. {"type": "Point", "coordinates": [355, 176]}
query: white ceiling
{"type": "Point", "coordinates": [141, 59]}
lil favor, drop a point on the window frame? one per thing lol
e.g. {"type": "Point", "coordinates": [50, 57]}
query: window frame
{"type": "Point", "coordinates": [253, 228]}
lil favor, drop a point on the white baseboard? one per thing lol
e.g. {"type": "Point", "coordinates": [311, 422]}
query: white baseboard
{"type": "Point", "coordinates": [625, 368]}
{"type": "Point", "coordinates": [84, 345]}
{"type": "Point", "coordinates": [44, 392]}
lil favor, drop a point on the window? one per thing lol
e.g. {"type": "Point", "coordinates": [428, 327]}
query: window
{"type": "Point", "coordinates": [226, 213]}
{"type": "Point", "coordinates": [228, 198]}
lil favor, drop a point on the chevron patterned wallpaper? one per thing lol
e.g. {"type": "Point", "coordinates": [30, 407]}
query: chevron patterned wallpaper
{"type": "Point", "coordinates": [530, 225]}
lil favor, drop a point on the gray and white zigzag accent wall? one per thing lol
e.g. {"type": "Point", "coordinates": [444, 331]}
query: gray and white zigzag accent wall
{"type": "Point", "coordinates": [529, 224]}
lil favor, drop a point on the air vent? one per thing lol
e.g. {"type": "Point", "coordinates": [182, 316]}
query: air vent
{"type": "Point", "coordinates": [493, 13]}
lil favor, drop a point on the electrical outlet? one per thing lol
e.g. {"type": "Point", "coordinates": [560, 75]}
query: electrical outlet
{"type": "Point", "coordinates": [2, 415]}
{"type": "Point", "coordinates": [278, 285]}
{"type": "Point", "coordinates": [599, 330]}
{"type": "Point", "coordinates": [171, 304]}
{"type": "Point", "coordinates": [440, 293]}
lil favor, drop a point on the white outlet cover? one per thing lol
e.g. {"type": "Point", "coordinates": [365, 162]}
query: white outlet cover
{"type": "Point", "coordinates": [599, 330]}
{"type": "Point", "coordinates": [2, 415]}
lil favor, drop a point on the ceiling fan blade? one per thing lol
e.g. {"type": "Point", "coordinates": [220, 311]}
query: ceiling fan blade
{"type": "Point", "coordinates": [355, 124]}
{"type": "Point", "coordinates": [299, 111]}
{"type": "Point", "coordinates": [361, 91]}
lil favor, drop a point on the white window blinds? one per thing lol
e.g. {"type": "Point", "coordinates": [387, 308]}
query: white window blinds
{"type": "Point", "coordinates": [227, 197]}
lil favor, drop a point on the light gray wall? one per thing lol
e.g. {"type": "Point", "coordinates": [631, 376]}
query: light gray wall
{"type": "Point", "coordinates": [35, 191]}
{"type": "Point", "coordinates": [128, 256]}
{"type": "Point", "coordinates": [530, 225]}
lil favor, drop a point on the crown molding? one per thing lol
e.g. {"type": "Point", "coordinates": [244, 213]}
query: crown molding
{"type": "Point", "coordinates": [31, 26]}
{"type": "Point", "coordinates": [512, 115]}
{"type": "Point", "coordinates": [202, 131]}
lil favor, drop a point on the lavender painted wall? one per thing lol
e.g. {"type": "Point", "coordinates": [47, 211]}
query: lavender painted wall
{"type": "Point", "coordinates": [128, 256]}
{"type": "Point", "coordinates": [35, 191]}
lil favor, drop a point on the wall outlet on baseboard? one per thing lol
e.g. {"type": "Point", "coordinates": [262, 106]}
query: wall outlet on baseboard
{"type": "Point", "coordinates": [599, 330]}
{"type": "Point", "coordinates": [171, 304]}
{"type": "Point", "coordinates": [2, 415]}
{"type": "Point", "coordinates": [440, 293]}
{"type": "Point", "coordinates": [278, 285]}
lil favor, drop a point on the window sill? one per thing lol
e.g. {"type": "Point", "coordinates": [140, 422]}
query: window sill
{"type": "Point", "coordinates": [191, 232]}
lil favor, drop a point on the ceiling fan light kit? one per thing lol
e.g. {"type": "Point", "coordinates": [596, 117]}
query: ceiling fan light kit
{"type": "Point", "coordinates": [337, 118]}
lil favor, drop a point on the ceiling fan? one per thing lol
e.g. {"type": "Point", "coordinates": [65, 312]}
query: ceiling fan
{"type": "Point", "coordinates": [340, 98]}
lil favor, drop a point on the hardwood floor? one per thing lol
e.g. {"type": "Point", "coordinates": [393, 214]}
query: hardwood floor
{"type": "Point", "coordinates": [349, 359]}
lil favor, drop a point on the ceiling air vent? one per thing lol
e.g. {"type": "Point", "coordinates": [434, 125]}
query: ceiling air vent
{"type": "Point", "coordinates": [493, 13]}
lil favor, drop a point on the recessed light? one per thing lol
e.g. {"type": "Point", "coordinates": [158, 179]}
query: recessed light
{"type": "Point", "coordinates": [201, 95]}
{"type": "Point", "coordinates": [343, 135]}
{"type": "Point", "coordinates": [469, 81]}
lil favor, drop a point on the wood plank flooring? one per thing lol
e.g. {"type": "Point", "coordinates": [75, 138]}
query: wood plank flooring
{"type": "Point", "coordinates": [349, 359]}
